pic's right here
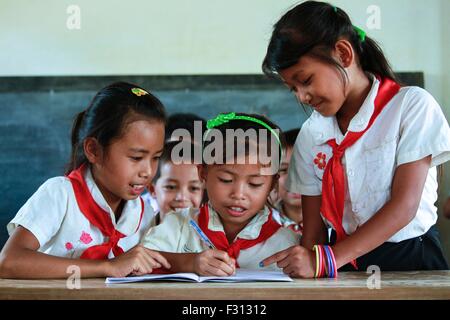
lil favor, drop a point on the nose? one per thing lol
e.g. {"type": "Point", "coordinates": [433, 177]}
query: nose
{"type": "Point", "coordinates": [238, 192]}
{"type": "Point", "coordinates": [146, 170]}
{"type": "Point", "coordinates": [181, 195]}
{"type": "Point", "coordinates": [303, 96]}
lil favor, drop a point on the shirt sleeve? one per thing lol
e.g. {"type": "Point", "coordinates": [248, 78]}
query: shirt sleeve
{"type": "Point", "coordinates": [167, 235]}
{"type": "Point", "coordinates": [301, 176]}
{"type": "Point", "coordinates": [424, 130]}
{"type": "Point", "coordinates": [44, 212]}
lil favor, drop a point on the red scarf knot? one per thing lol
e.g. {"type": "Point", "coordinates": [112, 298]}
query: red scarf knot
{"type": "Point", "coordinates": [220, 241]}
{"type": "Point", "coordinates": [98, 217]}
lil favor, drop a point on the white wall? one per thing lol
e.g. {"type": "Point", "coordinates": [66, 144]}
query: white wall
{"type": "Point", "coordinates": [201, 37]}
{"type": "Point", "coordinates": [197, 36]}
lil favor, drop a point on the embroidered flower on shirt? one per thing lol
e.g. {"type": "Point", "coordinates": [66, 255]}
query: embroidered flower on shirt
{"type": "Point", "coordinates": [69, 246]}
{"type": "Point", "coordinates": [85, 237]}
{"type": "Point", "coordinates": [320, 160]}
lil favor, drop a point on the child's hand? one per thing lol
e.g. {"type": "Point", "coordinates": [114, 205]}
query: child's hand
{"type": "Point", "coordinates": [296, 261]}
{"type": "Point", "coordinates": [214, 263]}
{"type": "Point", "coordinates": [137, 261]}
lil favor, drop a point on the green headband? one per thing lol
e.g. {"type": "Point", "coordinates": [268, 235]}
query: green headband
{"type": "Point", "coordinates": [226, 117]}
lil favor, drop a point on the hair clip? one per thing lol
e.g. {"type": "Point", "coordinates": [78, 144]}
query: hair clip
{"type": "Point", "coordinates": [139, 92]}
{"type": "Point", "coordinates": [361, 33]}
{"type": "Point", "coordinates": [335, 8]}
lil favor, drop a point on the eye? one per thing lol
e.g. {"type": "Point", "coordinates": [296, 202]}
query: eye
{"type": "Point", "coordinates": [307, 82]}
{"type": "Point", "coordinates": [156, 158]}
{"type": "Point", "coordinates": [169, 187]}
{"type": "Point", "coordinates": [225, 180]}
{"type": "Point", "coordinates": [256, 185]}
{"type": "Point", "coordinates": [136, 158]}
{"type": "Point", "coordinates": [195, 189]}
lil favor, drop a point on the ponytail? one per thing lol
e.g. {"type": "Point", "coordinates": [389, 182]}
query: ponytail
{"type": "Point", "coordinates": [373, 60]}
{"type": "Point", "coordinates": [77, 157]}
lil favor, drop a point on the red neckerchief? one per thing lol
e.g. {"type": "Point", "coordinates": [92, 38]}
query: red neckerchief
{"type": "Point", "coordinates": [333, 183]}
{"type": "Point", "coordinates": [98, 217]}
{"type": "Point", "coordinates": [220, 241]}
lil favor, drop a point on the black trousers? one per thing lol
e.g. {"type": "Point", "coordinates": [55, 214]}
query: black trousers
{"type": "Point", "coordinates": [420, 253]}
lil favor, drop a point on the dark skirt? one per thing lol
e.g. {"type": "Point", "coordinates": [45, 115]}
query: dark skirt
{"type": "Point", "coordinates": [420, 253]}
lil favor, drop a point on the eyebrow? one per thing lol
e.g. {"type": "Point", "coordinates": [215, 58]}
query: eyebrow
{"type": "Point", "coordinates": [295, 76]}
{"type": "Point", "coordinates": [234, 174]}
{"type": "Point", "coordinates": [177, 181]}
{"type": "Point", "coordinates": [140, 150]}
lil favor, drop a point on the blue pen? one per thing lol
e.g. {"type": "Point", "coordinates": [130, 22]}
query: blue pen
{"type": "Point", "coordinates": [202, 234]}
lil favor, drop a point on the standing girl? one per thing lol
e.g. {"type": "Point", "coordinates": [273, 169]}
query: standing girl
{"type": "Point", "coordinates": [236, 219]}
{"type": "Point", "coordinates": [94, 212]}
{"type": "Point", "coordinates": [365, 161]}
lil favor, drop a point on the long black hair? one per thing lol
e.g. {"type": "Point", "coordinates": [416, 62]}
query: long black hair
{"type": "Point", "coordinates": [112, 108]}
{"type": "Point", "coordinates": [313, 28]}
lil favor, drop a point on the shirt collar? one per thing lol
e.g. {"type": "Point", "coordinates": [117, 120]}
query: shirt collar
{"type": "Point", "coordinates": [251, 230]}
{"type": "Point", "coordinates": [326, 128]}
{"type": "Point", "coordinates": [131, 212]}
{"type": "Point", "coordinates": [361, 120]}
{"type": "Point", "coordinates": [284, 219]}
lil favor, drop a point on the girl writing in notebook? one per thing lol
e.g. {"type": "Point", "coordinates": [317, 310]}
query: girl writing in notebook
{"type": "Point", "coordinates": [365, 161]}
{"type": "Point", "coordinates": [239, 175]}
{"type": "Point", "coordinates": [94, 212]}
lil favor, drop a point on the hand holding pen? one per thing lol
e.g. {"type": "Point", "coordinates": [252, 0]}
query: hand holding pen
{"type": "Point", "coordinates": [212, 262]}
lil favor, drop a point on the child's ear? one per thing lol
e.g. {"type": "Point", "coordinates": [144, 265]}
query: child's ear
{"type": "Point", "coordinates": [151, 190]}
{"type": "Point", "coordinates": [202, 172]}
{"type": "Point", "coordinates": [275, 182]}
{"type": "Point", "coordinates": [344, 53]}
{"type": "Point", "coordinates": [92, 150]}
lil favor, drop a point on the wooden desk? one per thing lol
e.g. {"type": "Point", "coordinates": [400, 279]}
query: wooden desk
{"type": "Point", "coordinates": [351, 285]}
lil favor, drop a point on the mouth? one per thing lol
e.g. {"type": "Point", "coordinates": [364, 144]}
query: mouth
{"type": "Point", "coordinates": [316, 106]}
{"type": "Point", "coordinates": [236, 211]}
{"type": "Point", "coordinates": [175, 208]}
{"type": "Point", "coordinates": [294, 195]}
{"type": "Point", "coordinates": [137, 189]}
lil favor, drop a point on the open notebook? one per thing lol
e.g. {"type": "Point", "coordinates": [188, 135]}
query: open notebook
{"type": "Point", "coordinates": [242, 275]}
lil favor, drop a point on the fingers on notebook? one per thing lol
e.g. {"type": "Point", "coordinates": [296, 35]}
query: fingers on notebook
{"type": "Point", "coordinates": [158, 259]}
{"type": "Point", "coordinates": [275, 258]}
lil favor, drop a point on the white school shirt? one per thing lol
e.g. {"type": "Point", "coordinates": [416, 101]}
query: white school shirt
{"type": "Point", "coordinates": [175, 234]}
{"type": "Point", "coordinates": [410, 127]}
{"type": "Point", "coordinates": [52, 215]}
{"type": "Point", "coordinates": [151, 201]}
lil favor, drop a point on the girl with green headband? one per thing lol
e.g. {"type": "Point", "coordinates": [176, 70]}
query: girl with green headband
{"type": "Point", "coordinates": [365, 161]}
{"type": "Point", "coordinates": [235, 227]}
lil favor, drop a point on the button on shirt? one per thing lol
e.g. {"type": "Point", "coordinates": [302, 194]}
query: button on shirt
{"type": "Point", "coordinates": [52, 215]}
{"type": "Point", "coordinates": [410, 127]}
{"type": "Point", "coordinates": [175, 234]}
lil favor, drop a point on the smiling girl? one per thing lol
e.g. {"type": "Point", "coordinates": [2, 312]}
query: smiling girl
{"type": "Point", "coordinates": [93, 217]}
{"type": "Point", "coordinates": [365, 161]}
